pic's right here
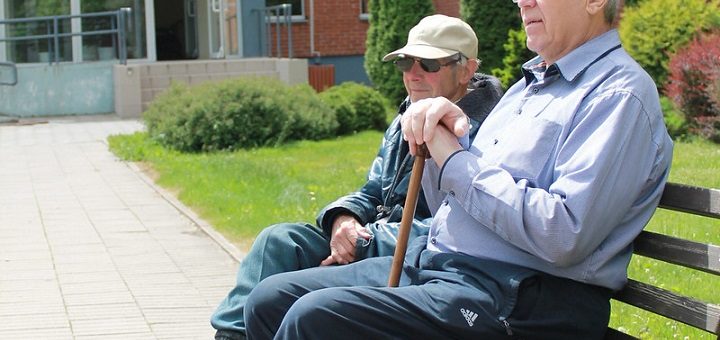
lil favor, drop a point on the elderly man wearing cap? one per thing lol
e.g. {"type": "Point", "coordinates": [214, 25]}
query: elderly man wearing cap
{"type": "Point", "coordinates": [533, 222]}
{"type": "Point", "coordinates": [439, 60]}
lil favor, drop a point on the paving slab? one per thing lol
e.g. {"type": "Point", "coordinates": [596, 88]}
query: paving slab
{"type": "Point", "coordinates": [91, 248]}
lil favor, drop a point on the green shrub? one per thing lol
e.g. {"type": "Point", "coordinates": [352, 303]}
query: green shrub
{"type": "Point", "coordinates": [357, 107]}
{"type": "Point", "coordinates": [629, 3]}
{"type": "Point", "coordinates": [237, 113]}
{"type": "Point", "coordinates": [390, 22]}
{"type": "Point", "coordinates": [312, 119]}
{"type": "Point", "coordinates": [653, 29]}
{"type": "Point", "coordinates": [491, 21]}
{"type": "Point", "coordinates": [674, 120]}
{"type": "Point", "coordinates": [516, 54]}
{"type": "Point", "coordinates": [694, 84]}
{"type": "Point", "coordinates": [167, 117]}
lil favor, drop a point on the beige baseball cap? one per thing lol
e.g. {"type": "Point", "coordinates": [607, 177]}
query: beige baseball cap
{"type": "Point", "coordinates": [439, 36]}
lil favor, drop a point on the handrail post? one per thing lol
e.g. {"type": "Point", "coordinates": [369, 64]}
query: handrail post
{"type": "Point", "coordinates": [50, 48]}
{"type": "Point", "coordinates": [279, 15]}
{"type": "Point", "coordinates": [115, 27]}
{"type": "Point", "coordinates": [277, 33]}
{"type": "Point", "coordinates": [56, 55]}
{"type": "Point", "coordinates": [266, 26]}
{"type": "Point", "coordinates": [122, 27]}
{"type": "Point", "coordinates": [288, 23]}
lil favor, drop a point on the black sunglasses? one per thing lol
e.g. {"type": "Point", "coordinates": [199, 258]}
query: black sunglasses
{"type": "Point", "coordinates": [404, 63]}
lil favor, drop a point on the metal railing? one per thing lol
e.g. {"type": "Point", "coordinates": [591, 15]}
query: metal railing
{"type": "Point", "coordinates": [117, 30]}
{"type": "Point", "coordinates": [277, 15]}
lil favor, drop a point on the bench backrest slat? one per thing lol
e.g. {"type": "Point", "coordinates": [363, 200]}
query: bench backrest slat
{"type": "Point", "coordinates": [695, 200]}
{"type": "Point", "coordinates": [666, 303]}
{"type": "Point", "coordinates": [700, 256]}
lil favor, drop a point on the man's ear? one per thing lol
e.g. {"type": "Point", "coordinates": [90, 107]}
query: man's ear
{"type": "Point", "coordinates": [470, 68]}
{"type": "Point", "coordinates": [596, 6]}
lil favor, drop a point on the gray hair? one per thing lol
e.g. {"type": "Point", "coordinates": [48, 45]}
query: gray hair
{"type": "Point", "coordinates": [464, 61]}
{"type": "Point", "coordinates": [611, 10]}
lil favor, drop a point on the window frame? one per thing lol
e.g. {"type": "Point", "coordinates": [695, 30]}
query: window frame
{"type": "Point", "coordinates": [302, 17]}
{"type": "Point", "coordinates": [364, 10]}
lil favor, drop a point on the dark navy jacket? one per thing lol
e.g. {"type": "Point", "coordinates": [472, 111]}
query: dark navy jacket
{"type": "Point", "coordinates": [378, 204]}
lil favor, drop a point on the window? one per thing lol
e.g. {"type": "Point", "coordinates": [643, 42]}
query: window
{"type": "Point", "coordinates": [94, 47]}
{"type": "Point", "coordinates": [102, 47]}
{"type": "Point", "coordinates": [298, 7]}
{"type": "Point", "coordinates": [364, 10]}
{"type": "Point", "coordinates": [35, 50]}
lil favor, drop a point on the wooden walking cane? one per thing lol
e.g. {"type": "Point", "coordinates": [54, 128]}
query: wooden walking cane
{"type": "Point", "coordinates": [408, 215]}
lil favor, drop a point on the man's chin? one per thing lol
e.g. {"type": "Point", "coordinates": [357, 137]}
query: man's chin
{"type": "Point", "coordinates": [421, 95]}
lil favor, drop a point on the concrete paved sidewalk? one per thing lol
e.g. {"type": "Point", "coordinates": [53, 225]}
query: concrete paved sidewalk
{"type": "Point", "coordinates": [91, 249]}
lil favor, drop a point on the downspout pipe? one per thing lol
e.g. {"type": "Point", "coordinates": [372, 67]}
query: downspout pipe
{"type": "Point", "coordinates": [315, 54]}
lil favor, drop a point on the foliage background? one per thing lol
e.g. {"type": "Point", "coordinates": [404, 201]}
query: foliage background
{"type": "Point", "coordinates": [491, 21]}
{"type": "Point", "coordinates": [390, 22]}
{"type": "Point", "coordinates": [654, 29]}
{"type": "Point", "coordinates": [237, 113]}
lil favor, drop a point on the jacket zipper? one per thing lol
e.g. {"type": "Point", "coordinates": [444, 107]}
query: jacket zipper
{"type": "Point", "coordinates": [506, 324]}
{"type": "Point", "coordinates": [385, 209]}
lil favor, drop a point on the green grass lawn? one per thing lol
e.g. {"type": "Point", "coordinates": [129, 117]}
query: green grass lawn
{"type": "Point", "coordinates": [241, 192]}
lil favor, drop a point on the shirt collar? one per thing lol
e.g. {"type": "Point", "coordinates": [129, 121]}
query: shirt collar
{"type": "Point", "coordinates": [578, 60]}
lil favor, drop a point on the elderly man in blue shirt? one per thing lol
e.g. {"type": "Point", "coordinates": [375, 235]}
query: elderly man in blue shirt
{"type": "Point", "coordinates": [533, 221]}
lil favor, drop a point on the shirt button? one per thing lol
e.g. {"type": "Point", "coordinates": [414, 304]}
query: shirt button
{"type": "Point", "coordinates": [433, 240]}
{"type": "Point", "coordinates": [495, 141]}
{"type": "Point", "coordinates": [535, 90]}
{"type": "Point", "coordinates": [452, 193]}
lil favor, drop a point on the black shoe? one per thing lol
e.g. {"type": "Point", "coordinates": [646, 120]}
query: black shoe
{"type": "Point", "coordinates": [222, 334]}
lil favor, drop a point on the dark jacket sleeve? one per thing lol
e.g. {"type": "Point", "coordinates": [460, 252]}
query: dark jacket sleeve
{"type": "Point", "coordinates": [363, 203]}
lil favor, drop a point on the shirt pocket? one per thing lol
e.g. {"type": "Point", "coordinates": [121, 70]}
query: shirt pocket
{"type": "Point", "coordinates": [524, 147]}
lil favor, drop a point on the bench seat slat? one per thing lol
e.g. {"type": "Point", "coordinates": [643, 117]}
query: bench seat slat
{"type": "Point", "coordinates": [695, 200]}
{"type": "Point", "coordinates": [700, 256]}
{"type": "Point", "coordinates": [663, 302]}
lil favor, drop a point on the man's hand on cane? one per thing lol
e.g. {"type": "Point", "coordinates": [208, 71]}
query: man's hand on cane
{"type": "Point", "coordinates": [438, 123]}
{"type": "Point", "coordinates": [420, 125]}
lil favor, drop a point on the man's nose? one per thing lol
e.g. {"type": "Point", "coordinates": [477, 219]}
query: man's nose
{"type": "Point", "coordinates": [525, 3]}
{"type": "Point", "coordinates": [416, 69]}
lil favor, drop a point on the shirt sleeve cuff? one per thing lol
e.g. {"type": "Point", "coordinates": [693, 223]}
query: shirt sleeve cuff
{"type": "Point", "coordinates": [458, 172]}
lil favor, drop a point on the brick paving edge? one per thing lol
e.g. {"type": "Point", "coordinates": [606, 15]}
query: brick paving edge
{"type": "Point", "coordinates": [228, 247]}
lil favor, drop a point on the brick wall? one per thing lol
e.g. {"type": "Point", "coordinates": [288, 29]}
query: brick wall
{"type": "Point", "coordinates": [339, 30]}
{"type": "Point", "coordinates": [449, 8]}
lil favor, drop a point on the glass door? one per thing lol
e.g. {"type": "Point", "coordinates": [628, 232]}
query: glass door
{"type": "Point", "coordinates": [231, 29]}
{"type": "Point", "coordinates": [191, 32]}
{"type": "Point", "coordinates": [216, 32]}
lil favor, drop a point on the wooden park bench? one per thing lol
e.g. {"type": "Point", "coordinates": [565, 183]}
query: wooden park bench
{"type": "Point", "coordinates": [698, 256]}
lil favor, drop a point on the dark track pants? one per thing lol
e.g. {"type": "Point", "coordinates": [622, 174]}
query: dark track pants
{"type": "Point", "coordinates": [441, 296]}
{"type": "Point", "coordinates": [279, 248]}
{"type": "Point", "coordinates": [288, 247]}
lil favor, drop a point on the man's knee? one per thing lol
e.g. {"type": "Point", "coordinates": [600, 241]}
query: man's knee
{"type": "Point", "coordinates": [283, 234]}
{"type": "Point", "coordinates": [267, 303]}
{"type": "Point", "coordinates": [316, 310]}
{"type": "Point", "coordinates": [265, 295]}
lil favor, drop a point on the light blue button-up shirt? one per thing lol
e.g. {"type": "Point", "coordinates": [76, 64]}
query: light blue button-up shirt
{"type": "Point", "coordinates": [563, 174]}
